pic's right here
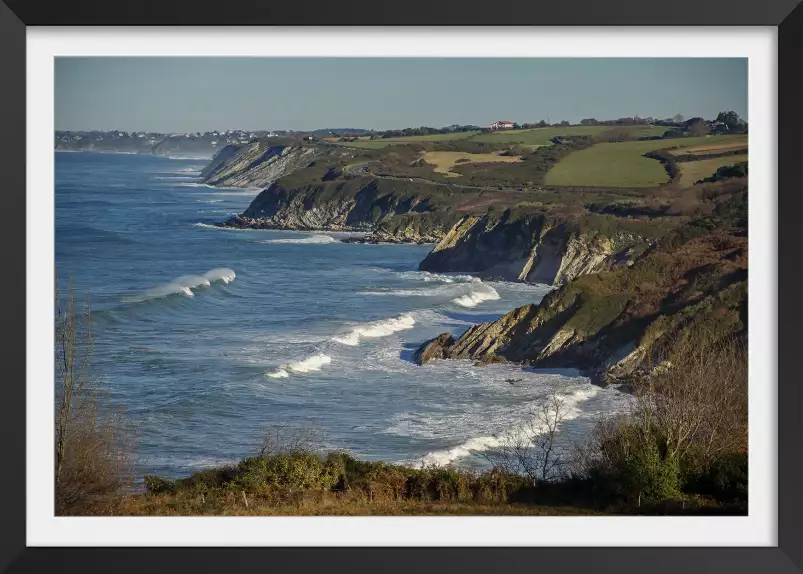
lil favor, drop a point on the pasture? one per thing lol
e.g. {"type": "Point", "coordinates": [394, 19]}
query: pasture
{"type": "Point", "coordinates": [622, 164]}
{"type": "Point", "coordinates": [692, 171]}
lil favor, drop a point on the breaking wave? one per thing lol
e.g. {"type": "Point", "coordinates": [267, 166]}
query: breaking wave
{"type": "Point", "coordinates": [220, 274]}
{"type": "Point", "coordinates": [570, 410]}
{"type": "Point", "coordinates": [184, 285]}
{"type": "Point", "coordinates": [477, 296]}
{"type": "Point", "coordinates": [314, 239]}
{"type": "Point", "coordinates": [186, 184]}
{"type": "Point", "coordinates": [377, 329]}
{"type": "Point", "coordinates": [314, 363]}
{"type": "Point", "coordinates": [427, 276]}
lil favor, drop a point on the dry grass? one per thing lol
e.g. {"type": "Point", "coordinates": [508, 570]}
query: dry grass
{"type": "Point", "coordinates": [736, 142]}
{"type": "Point", "coordinates": [696, 170]}
{"type": "Point", "coordinates": [323, 503]}
{"type": "Point", "coordinates": [444, 161]}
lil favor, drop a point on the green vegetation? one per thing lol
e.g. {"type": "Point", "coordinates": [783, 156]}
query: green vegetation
{"type": "Point", "coordinates": [620, 164]}
{"type": "Point", "coordinates": [693, 171]}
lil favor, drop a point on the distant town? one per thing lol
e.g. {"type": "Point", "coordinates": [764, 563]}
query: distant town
{"type": "Point", "coordinates": [210, 142]}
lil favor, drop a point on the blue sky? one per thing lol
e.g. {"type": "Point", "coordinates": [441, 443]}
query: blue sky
{"type": "Point", "coordinates": [199, 94]}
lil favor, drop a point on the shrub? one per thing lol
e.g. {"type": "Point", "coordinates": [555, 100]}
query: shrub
{"type": "Point", "coordinates": [92, 461]}
{"type": "Point", "coordinates": [687, 432]}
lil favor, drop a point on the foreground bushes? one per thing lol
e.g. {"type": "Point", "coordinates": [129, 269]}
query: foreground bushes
{"type": "Point", "coordinates": [305, 470]}
{"type": "Point", "coordinates": [687, 433]}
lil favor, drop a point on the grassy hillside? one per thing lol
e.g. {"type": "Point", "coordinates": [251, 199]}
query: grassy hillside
{"type": "Point", "coordinates": [693, 171]}
{"type": "Point", "coordinates": [621, 164]}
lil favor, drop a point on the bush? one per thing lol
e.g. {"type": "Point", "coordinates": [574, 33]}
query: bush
{"type": "Point", "coordinates": [92, 461]}
{"type": "Point", "coordinates": [687, 432]}
{"type": "Point", "coordinates": [297, 470]}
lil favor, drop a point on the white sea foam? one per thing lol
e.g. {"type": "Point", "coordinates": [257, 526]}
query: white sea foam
{"type": "Point", "coordinates": [311, 240]}
{"type": "Point", "coordinates": [427, 276]}
{"type": "Point", "coordinates": [377, 329]}
{"type": "Point", "coordinates": [186, 184]}
{"type": "Point", "coordinates": [220, 274]}
{"type": "Point", "coordinates": [405, 293]}
{"type": "Point", "coordinates": [184, 285]}
{"type": "Point", "coordinates": [477, 296]}
{"type": "Point", "coordinates": [314, 363]}
{"type": "Point", "coordinates": [570, 410]}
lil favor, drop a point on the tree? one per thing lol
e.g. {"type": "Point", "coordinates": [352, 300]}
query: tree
{"type": "Point", "coordinates": [678, 118]}
{"type": "Point", "coordinates": [532, 450]}
{"type": "Point", "coordinates": [91, 453]}
{"type": "Point", "coordinates": [697, 126]}
{"type": "Point", "coordinates": [731, 119]}
{"type": "Point", "coordinates": [689, 415]}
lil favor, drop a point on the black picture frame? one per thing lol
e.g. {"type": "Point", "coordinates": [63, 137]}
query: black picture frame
{"type": "Point", "coordinates": [786, 15]}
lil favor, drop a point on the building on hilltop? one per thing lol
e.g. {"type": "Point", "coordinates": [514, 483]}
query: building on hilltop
{"type": "Point", "coordinates": [502, 125]}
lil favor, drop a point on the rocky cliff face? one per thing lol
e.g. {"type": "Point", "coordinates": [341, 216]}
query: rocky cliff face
{"type": "Point", "coordinates": [361, 204]}
{"type": "Point", "coordinates": [537, 248]}
{"type": "Point", "coordinates": [614, 324]}
{"type": "Point", "coordinates": [257, 164]}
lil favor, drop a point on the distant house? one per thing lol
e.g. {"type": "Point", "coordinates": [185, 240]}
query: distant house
{"type": "Point", "coordinates": [502, 125]}
{"type": "Point", "coordinates": [718, 127]}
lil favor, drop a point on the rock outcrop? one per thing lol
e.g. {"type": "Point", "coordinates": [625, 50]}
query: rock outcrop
{"type": "Point", "coordinates": [537, 248]}
{"type": "Point", "coordinates": [613, 324]}
{"type": "Point", "coordinates": [257, 164]}
{"type": "Point", "coordinates": [437, 348]}
{"type": "Point", "coordinates": [368, 204]}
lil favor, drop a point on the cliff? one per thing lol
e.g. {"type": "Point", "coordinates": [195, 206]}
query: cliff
{"type": "Point", "coordinates": [392, 210]}
{"type": "Point", "coordinates": [532, 247]}
{"type": "Point", "coordinates": [257, 164]}
{"type": "Point", "coordinates": [616, 324]}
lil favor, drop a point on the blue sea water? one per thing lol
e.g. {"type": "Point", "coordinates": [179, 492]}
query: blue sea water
{"type": "Point", "coordinates": [206, 337]}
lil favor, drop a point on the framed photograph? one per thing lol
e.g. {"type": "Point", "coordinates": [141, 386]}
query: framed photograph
{"type": "Point", "coordinates": [345, 284]}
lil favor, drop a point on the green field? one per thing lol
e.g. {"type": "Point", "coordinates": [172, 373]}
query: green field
{"type": "Point", "coordinates": [543, 136]}
{"type": "Point", "coordinates": [692, 171]}
{"type": "Point", "coordinates": [620, 164]}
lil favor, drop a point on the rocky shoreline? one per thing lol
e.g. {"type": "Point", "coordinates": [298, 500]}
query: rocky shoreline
{"type": "Point", "coordinates": [626, 291]}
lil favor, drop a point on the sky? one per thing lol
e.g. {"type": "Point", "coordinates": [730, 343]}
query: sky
{"type": "Point", "coordinates": [198, 94]}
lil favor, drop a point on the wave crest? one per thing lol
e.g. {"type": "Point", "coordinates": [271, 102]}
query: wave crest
{"type": "Point", "coordinates": [571, 403]}
{"type": "Point", "coordinates": [314, 363]}
{"type": "Point", "coordinates": [184, 285]}
{"type": "Point", "coordinates": [477, 296]}
{"type": "Point", "coordinates": [314, 239]}
{"type": "Point", "coordinates": [377, 329]}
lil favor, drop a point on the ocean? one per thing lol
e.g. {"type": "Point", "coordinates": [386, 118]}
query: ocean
{"type": "Point", "coordinates": [208, 337]}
